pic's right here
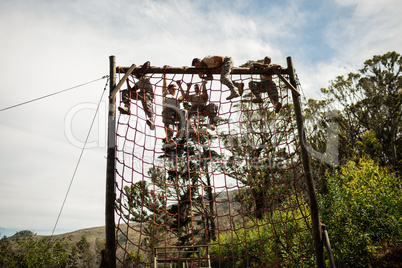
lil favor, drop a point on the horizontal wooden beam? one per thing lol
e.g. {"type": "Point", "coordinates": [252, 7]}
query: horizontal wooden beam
{"type": "Point", "coordinates": [193, 70]}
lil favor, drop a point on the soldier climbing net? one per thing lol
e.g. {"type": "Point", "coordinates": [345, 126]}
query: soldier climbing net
{"type": "Point", "coordinates": [234, 196]}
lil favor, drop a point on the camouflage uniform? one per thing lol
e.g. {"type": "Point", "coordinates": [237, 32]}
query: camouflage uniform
{"type": "Point", "coordinates": [226, 69]}
{"type": "Point", "coordinates": [171, 114]}
{"type": "Point", "coordinates": [199, 107]}
{"type": "Point", "coordinates": [265, 85]}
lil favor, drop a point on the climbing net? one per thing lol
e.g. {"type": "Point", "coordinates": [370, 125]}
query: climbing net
{"type": "Point", "coordinates": [233, 196]}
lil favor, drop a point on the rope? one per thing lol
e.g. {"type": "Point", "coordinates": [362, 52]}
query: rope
{"type": "Point", "coordinates": [170, 191]}
{"type": "Point", "coordinates": [52, 94]}
{"type": "Point", "coordinates": [79, 159]}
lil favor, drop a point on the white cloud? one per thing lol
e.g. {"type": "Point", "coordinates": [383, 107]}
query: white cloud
{"type": "Point", "coordinates": [373, 28]}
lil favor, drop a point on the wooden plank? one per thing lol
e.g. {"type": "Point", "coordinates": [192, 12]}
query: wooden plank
{"type": "Point", "coordinates": [294, 90]}
{"type": "Point", "coordinates": [193, 70]}
{"type": "Point", "coordinates": [116, 88]}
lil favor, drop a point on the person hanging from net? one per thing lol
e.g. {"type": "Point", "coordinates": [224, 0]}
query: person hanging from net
{"type": "Point", "coordinates": [173, 116]}
{"type": "Point", "coordinates": [266, 84]}
{"type": "Point", "coordinates": [199, 106]}
{"type": "Point", "coordinates": [225, 64]}
{"type": "Point", "coordinates": [142, 90]}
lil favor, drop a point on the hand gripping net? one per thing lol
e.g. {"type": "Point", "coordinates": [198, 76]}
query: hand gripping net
{"type": "Point", "coordinates": [230, 197]}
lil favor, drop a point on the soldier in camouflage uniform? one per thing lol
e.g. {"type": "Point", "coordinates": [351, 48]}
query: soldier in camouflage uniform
{"type": "Point", "coordinates": [199, 106]}
{"type": "Point", "coordinates": [226, 65]}
{"type": "Point", "coordinates": [266, 84]}
{"type": "Point", "coordinates": [173, 116]}
{"type": "Point", "coordinates": [143, 91]}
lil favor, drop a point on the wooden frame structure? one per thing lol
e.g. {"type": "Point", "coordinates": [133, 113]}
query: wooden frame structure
{"type": "Point", "coordinates": [110, 252]}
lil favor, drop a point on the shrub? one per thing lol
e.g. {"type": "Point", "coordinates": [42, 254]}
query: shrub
{"type": "Point", "coordinates": [363, 212]}
{"type": "Point", "coordinates": [282, 238]}
{"type": "Point", "coordinates": [31, 251]}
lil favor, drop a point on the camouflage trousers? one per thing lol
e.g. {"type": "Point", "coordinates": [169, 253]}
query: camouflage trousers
{"type": "Point", "coordinates": [226, 69]}
{"type": "Point", "coordinates": [196, 111]}
{"type": "Point", "coordinates": [173, 118]}
{"type": "Point", "coordinates": [267, 86]}
{"type": "Point", "coordinates": [146, 98]}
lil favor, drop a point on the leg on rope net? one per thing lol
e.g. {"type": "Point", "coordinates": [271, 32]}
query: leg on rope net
{"type": "Point", "coordinates": [267, 86]}
{"type": "Point", "coordinates": [168, 116]}
{"type": "Point", "coordinates": [145, 94]}
{"type": "Point", "coordinates": [226, 66]}
{"type": "Point", "coordinates": [193, 120]}
{"type": "Point", "coordinates": [173, 120]}
{"type": "Point", "coordinates": [181, 120]}
{"type": "Point", "coordinates": [256, 89]}
{"type": "Point", "coordinates": [147, 104]}
{"type": "Point", "coordinates": [272, 91]}
{"type": "Point", "coordinates": [226, 69]}
{"type": "Point", "coordinates": [126, 96]}
{"type": "Point", "coordinates": [211, 110]}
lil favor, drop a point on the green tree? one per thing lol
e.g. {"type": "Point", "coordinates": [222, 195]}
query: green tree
{"type": "Point", "coordinates": [363, 212]}
{"type": "Point", "coordinates": [282, 239]}
{"type": "Point", "coordinates": [6, 252]}
{"type": "Point", "coordinates": [258, 150]}
{"type": "Point", "coordinates": [73, 257]}
{"type": "Point", "coordinates": [28, 250]}
{"type": "Point", "coordinates": [144, 202]}
{"type": "Point", "coordinates": [84, 251]}
{"type": "Point", "coordinates": [185, 182]}
{"type": "Point", "coordinates": [187, 170]}
{"type": "Point", "coordinates": [368, 111]}
{"type": "Point", "coordinates": [317, 121]}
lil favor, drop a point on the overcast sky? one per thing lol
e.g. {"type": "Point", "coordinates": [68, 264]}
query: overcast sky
{"type": "Point", "coordinates": [48, 46]}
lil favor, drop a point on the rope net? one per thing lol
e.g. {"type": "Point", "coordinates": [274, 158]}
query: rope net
{"type": "Point", "coordinates": [221, 186]}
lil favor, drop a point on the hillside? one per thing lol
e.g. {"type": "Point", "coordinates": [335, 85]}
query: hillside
{"type": "Point", "coordinates": [84, 246]}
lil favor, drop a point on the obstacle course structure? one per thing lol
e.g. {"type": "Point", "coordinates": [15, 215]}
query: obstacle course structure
{"type": "Point", "coordinates": [238, 195]}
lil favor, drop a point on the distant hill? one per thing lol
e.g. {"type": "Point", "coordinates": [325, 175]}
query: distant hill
{"type": "Point", "coordinates": [95, 237]}
{"type": "Point", "coordinates": [91, 234]}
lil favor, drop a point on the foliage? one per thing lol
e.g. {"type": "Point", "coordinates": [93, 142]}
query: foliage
{"type": "Point", "coordinates": [362, 211]}
{"type": "Point", "coordinates": [30, 251]}
{"type": "Point", "coordinates": [258, 152]}
{"type": "Point", "coordinates": [26, 249]}
{"type": "Point", "coordinates": [282, 239]}
{"type": "Point", "coordinates": [368, 111]}
{"type": "Point", "coordinates": [84, 251]}
{"type": "Point", "coordinates": [134, 256]}
{"type": "Point", "coordinates": [317, 123]}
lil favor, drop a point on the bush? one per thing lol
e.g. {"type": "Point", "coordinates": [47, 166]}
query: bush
{"type": "Point", "coordinates": [363, 212]}
{"type": "Point", "coordinates": [280, 239]}
{"type": "Point", "coordinates": [31, 251]}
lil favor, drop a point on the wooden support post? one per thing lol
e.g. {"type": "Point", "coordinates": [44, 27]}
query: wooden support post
{"type": "Point", "coordinates": [121, 82]}
{"type": "Point", "coordinates": [110, 251]}
{"type": "Point", "coordinates": [328, 247]}
{"type": "Point", "coordinates": [315, 219]}
{"type": "Point", "coordinates": [294, 90]}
